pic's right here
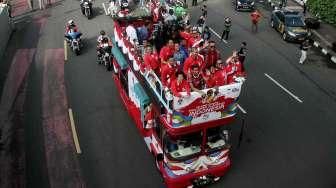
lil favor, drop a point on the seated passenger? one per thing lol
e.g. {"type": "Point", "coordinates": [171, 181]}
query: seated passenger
{"type": "Point", "coordinates": [131, 33]}
{"type": "Point", "coordinates": [151, 60]}
{"type": "Point", "coordinates": [196, 80]}
{"type": "Point", "coordinates": [184, 48]}
{"type": "Point", "coordinates": [193, 59]}
{"type": "Point", "coordinates": [233, 67]}
{"type": "Point", "coordinates": [220, 75]}
{"type": "Point", "coordinates": [179, 56]}
{"type": "Point", "coordinates": [143, 33]}
{"type": "Point", "coordinates": [212, 55]}
{"type": "Point", "coordinates": [168, 72]}
{"type": "Point", "coordinates": [167, 51]}
{"type": "Point", "coordinates": [209, 78]}
{"type": "Point", "coordinates": [180, 85]}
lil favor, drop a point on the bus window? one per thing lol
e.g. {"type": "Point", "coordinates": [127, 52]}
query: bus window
{"type": "Point", "coordinates": [158, 129]}
{"type": "Point", "coordinates": [183, 147]}
{"type": "Point", "coordinates": [217, 139]}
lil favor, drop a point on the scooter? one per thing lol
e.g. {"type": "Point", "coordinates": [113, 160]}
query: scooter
{"type": "Point", "coordinates": [86, 8]}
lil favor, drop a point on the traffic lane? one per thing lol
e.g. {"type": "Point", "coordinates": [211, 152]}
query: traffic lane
{"type": "Point", "coordinates": [114, 154]}
{"type": "Point", "coordinates": [278, 107]}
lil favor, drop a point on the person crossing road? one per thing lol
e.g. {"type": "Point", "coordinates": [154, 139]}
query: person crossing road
{"type": "Point", "coordinates": [227, 27]}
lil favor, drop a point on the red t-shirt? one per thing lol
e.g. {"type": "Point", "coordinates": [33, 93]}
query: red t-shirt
{"type": "Point", "coordinates": [233, 69]}
{"type": "Point", "coordinates": [210, 80]}
{"type": "Point", "coordinates": [255, 17]}
{"type": "Point", "coordinates": [177, 87]}
{"type": "Point", "coordinates": [166, 52]}
{"type": "Point", "coordinates": [151, 61]}
{"type": "Point", "coordinates": [211, 58]}
{"type": "Point", "coordinates": [167, 74]}
{"type": "Point", "coordinates": [190, 61]}
{"type": "Point", "coordinates": [197, 82]}
{"type": "Point", "coordinates": [220, 77]}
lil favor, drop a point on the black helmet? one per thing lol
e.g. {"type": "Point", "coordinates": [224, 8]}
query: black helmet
{"type": "Point", "coordinates": [102, 32]}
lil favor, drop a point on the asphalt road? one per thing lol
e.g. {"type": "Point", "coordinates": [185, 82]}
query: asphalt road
{"type": "Point", "coordinates": [292, 142]}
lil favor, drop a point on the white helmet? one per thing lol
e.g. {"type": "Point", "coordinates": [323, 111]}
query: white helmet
{"type": "Point", "coordinates": [71, 22]}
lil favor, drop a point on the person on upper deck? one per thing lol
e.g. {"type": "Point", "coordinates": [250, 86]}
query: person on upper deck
{"type": "Point", "coordinates": [196, 79]}
{"type": "Point", "coordinates": [179, 56]}
{"type": "Point", "coordinates": [212, 55]}
{"type": "Point", "coordinates": [167, 51]}
{"type": "Point", "coordinates": [168, 72]}
{"type": "Point", "coordinates": [180, 84]}
{"type": "Point", "coordinates": [233, 67]}
{"type": "Point", "coordinates": [131, 33]}
{"type": "Point", "coordinates": [208, 75]}
{"type": "Point", "coordinates": [194, 59]}
{"type": "Point", "coordinates": [220, 76]}
{"type": "Point", "coordinates": [151, 60]}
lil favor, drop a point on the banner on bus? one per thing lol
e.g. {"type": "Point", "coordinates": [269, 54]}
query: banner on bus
{"type": "Point", "coordinates": [215, 104]}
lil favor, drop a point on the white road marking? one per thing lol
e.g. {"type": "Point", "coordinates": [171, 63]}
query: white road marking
{"type": "Point", "coordinates": [324, 51]}
{"type": "Point", "coordinates": [333, 59]}
{"type": "Point", "coordinates": [282, 87]}
{"type": "Point", "coordinates": [217, 34]}
{"type": "Point", "coordinates": [74, 133]}
{"type": "Point", "coordinates": [65, 51]}
{"type": "Point", "coordinates": [105, 9]}
{"type": "Point", "coordinates": [316, 44]}
{"type": "Point", "coordinates": [241, 109]}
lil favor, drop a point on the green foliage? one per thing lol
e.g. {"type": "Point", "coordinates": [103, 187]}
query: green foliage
{"type": "Point", "coordinates": [326, 9]}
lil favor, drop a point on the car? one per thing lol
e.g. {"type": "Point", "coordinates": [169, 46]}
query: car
{"type": "Point", "coordinates": [290, 24]}
{"type": "Point", "coordinates": [244, 5]}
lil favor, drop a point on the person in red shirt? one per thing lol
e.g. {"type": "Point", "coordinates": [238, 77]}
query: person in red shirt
{"type": "Point", "coordinates": [167, 51]}
{"type": "Point", "coordinates": [196, 80]}
{"type": "Point", "coordinates": [193, 59]}
{"type": "Point", "coordinates": [180, 85]}
{"type": "Point", "coordinates": [233, 68]}
{"type": "Point", "coordinates": [220, 75]}
{"type": "Point", "coordinates": [208, 76]}
{"type": "Point", "coordinates": [151, 60]}
{"type": "Point", "coordinates": [168, 72]}
{"type": "Point", "coordinates": [255, 17]}
{"type": "Point", "coordinates": [212, 55]}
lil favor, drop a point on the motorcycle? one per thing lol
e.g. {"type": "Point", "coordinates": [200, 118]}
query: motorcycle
{"type": "Point", "coordinates": [87, 9]}
{"type": "Point", "coordinates": [105, 56]}
{"type": "Point", "coordinates": [75, 42]}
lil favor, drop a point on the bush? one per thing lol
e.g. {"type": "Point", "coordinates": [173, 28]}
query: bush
{"type": "Point", "coordinates": [326, 9]}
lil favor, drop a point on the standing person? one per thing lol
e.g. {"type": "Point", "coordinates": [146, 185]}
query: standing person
{"type": "Point", "coordinates": [304, 48]}
{"type": "Point", "coordinates": [255, 17]}
{"type": "Point", "coordinates": [194, 2]}
{"type": "Point", "coordinates": [206, 35]}
{"type": "Point", "coordinates": [200, 24]}
{"type": "Point", "coordinates": [204, 11]}
{"type": "Point", "coordinates": [304, 7]}
{"type": "Point", "coordinates": [242, 54]}
{"type": "Point", "coordinates": [227, 27]}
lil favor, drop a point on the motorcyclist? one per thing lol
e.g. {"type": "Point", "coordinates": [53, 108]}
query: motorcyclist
{"type": "Point", "coordinates": [102, 36]}
{"type": "Point", "coordinates": [71, 31]}
{"type": "Point", "coordinates": [104, 46]}
{"type": "Point", "coordinates": [82, 5]}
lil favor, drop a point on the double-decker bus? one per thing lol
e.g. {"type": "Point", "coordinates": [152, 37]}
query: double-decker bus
{"type": "Point", "coordinates": [189, 136]}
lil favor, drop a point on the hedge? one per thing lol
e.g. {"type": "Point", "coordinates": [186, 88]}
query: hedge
{"type": "Point", "coordinates": [326, 9]}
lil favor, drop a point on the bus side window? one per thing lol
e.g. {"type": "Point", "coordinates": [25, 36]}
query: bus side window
{"type": "Point", "coordinates": [124, 80]}
{"type": "Point", "coordinates": [157, 128]}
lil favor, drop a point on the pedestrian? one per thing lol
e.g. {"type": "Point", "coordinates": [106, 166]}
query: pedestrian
{"type": "Point", "coordinates": [206, 35]}
{"type": "Point", "coordinates": [194, 2]}
{"type": "Point", "coordinates": [242, 54]}
{"type": "Point", "coordinates": [304, 8]}
{"type": "Point", "coordinates": [255, 17]}
{"type": "Point", "coordinates": [305, 45]}
{"type": "Point", "coordinates": [204, 11]}
{"type": "Point", "coordinates": [227, 27]}
{"type": "Point", "coordinates": [200, 24]}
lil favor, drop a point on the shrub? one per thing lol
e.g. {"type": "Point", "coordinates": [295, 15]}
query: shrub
{"type": "Point", "coordinates": [326, 9]}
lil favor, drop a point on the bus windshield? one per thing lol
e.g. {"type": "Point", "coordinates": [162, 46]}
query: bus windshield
{"type": "Point", "coordinates": [183, 147]}
{"type": "Point", "coordinates": [217, 139]}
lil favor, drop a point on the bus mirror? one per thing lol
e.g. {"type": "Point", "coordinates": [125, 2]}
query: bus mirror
{"type": "Point", "coordinates": [159, 157]}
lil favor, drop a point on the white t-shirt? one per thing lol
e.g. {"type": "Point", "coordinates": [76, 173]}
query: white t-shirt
{"type": "Point", "coordinates": [131, 33]}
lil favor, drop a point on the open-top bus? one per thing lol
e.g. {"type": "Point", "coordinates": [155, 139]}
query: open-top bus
{"type": "Point", "coordinates": [189, 136]}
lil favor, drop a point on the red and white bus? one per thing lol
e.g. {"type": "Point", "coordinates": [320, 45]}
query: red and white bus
{"type": "Point", "coordinates": [189, 136]}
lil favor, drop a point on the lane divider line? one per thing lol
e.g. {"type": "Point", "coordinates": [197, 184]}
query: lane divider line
{"type": "Point", "coordinates": [74, 132]}
{"type": "Point", "coordinates": [283, 88]}
{"type": "Point", "coordinates": [65, 51]}
{"type": "Point", "coordinates": [241, 109]}
{"type": "Point", "coordinates": [105, 9]}
{"type": "Point", "coordinates": [217, 35]}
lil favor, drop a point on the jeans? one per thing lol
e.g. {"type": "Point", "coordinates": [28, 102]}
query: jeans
{"type": "Point", "coordinates": [226, 34]}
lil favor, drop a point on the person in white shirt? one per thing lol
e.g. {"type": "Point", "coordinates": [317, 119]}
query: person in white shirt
{"type": "Point", "coordinates": [131, 33]}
